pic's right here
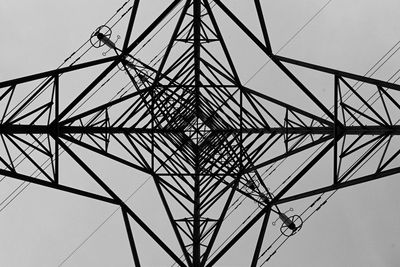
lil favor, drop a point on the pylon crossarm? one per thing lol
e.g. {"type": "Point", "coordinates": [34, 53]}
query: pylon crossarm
{"type": "Point", "coordinates": [56, 72]}
{"type": "Point", "coordinates": [338, 73]}
{"type": "Point", "coordinates": [131, 23]}
{"type": "Point", "coordinates": [209, 142]}
{"type": "Point", "coordinates": [243, 27]}
{"type": "Point", "coordinates": [57, 186]}
{"type": "Point", "coordinates": [121, 203]}
{"type": "Point", "coordinates": [340, 185]}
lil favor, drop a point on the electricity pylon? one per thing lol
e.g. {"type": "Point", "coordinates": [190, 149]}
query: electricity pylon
{"type": "Point", "coordinates": [199, 131]}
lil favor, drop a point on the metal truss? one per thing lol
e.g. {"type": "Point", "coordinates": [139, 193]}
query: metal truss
{"type": "Point", "coordinates": [202, 135]}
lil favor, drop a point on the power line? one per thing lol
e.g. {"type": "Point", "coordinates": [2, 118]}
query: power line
{"type": "Point", "coordinates": [20, 186]}
{"type": "Point", "coordinates": [102, 223]}
{"type": "Point", "coordinates": [256, 73]}
{"type": "Point", "coordinates": [301, 29]}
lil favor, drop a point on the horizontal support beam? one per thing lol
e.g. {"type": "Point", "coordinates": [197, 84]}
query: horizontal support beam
{"type": "Point", "coordinates": [347, 130]}
{"type": "Point", "coordinates": [64, 188]}
{"type": "Point", "coordinates": [341, 185]}
{"type": "Point", "coordinates": [56, 72]}
{"type": "Point", "coordinates": [338, 72]}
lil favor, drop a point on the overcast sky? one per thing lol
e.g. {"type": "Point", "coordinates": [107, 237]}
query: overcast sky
{"type": "Point", "coordinates": [358, 226]}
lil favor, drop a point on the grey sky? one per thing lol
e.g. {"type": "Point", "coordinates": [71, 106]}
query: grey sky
{"type": "Point", "coordinates": [358, 226]}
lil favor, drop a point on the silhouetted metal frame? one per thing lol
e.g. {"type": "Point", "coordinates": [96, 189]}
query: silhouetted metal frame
{"type": "Point", "coordinates": [59, 131]}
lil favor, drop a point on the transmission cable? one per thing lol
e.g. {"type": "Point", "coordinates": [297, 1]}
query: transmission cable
{"type": "Point", "coordinates": [253, 76]}
{"type": "Point", "coordinates": [43, 89]}
{"type": "Point", "coordinates": [290, 40]}
{"type": "Point", "coordinates": [330, 194]}
{"type": "Point", "coordinates": [64, 62]}
{"type": "Point", "coordinates": [365, 153]}
{"type": "Point", "coordinates": [68, 58]}
{"type": "Point", "coordinates": [323, 144]}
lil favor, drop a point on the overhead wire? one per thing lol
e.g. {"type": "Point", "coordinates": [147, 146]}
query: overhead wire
{"type": "Point", "coordinates": [301, 29]}
{"type": "Point", "coordinates": [318, 199]}
{"type": "Point", "coordinates": [47, 163]}
{"type": "Point", "coordinates": [378, 64]}
{"type": "Point", "coordinates": [371, 72]}
{"type": "Point", "coordinates": [253, 76]}
{"type": "Point", "coordinates": [43, 82]}
{"type": "Point", "coordinates": [330, 194]}
{"type": "Point", "coordinates": [20, 186]}
{"type": "Point", "coordinates": [281, 48]}
{"type": "Point", "coordinates": [68, 58]}
{"type": "Point", "coordinates": [27, 184]}
{"type": "Point", "coordinates": [382, 63]}
{"type": "Point", "coordinates": [287, 43]}
{"type": "Point", "coordinates": [92, 233]}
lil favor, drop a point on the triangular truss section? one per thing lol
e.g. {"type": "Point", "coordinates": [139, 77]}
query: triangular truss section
{"type": "Point", "coordinates": [207, 140]}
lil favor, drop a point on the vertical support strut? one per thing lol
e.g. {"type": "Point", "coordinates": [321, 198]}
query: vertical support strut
{"type": "Point", "coordinates": [260, 240]}
{"type": "Point", "coordinates": [335, 134]}
{"type": "Point", "coordinates": [57, 129]}
{"type": "Point", "coordinates": [196, 208]}
{"type": "Point", "coordinates": [263, 27]}
{"type": "Point", "coordinates": [130, 24]}
{"type": "Point", "coordinates": [207, 144]}
{"type": "Point", "coordinates": [130, 238]}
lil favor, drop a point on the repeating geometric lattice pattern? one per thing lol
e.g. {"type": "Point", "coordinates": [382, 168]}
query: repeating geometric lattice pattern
{"type": "Point", "coordinates": [204, 136]}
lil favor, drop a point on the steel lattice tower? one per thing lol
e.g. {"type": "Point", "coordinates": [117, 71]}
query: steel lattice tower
{"type": "Point", "coordinates": [202, 134]}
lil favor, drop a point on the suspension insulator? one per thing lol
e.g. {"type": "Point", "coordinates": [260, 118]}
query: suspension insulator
{"type": "Point", "coordinates": [129, 64]}
{"type": "Point", "coordinates": [287, 221]}
{"type": "Point", "coordinates": [104, 39]}
{"type": "Point", "coordinates": [264, 198]}
{"type": "Point", "coordinates": [251, 185]}
{"type": "Point", "coordinates": [100, 36]}
{"type": "Point", "coordinates": [290, 224]}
